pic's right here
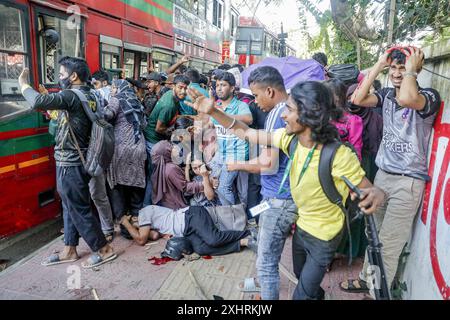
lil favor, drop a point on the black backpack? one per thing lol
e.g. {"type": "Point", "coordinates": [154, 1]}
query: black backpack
{"type": "Point", "coordinates": [347, 73]}
{"type": "Point", "coordinates": [326, 159]}
{"type": "Point", "coordinates": [101, 144]}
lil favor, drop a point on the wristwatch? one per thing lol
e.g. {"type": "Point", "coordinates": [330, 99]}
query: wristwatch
{"type": "Point", "coordinates": [414, 74]}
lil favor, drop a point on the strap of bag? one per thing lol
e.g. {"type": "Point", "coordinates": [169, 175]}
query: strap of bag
{"type": "Point", "coordinates": [329, 188]}
{"type": "Point", "coordinates": [72, 134]}
{"type": "Point", "coordinates": [84, 102]}
{"type": "Point", "coordinates": [89, 113]}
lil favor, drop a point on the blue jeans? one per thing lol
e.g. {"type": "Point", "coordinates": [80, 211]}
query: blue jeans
{"type": "Point", "coordinates": [148, 186]}
{"type": "Point", "coordinates": [274, 227]}
{"type": "Point", "coordinates": [230, 182]}
{"type": "Point", "coordinates": [73, 188]}
{"type": "Point", "coordinates": [311, 257]}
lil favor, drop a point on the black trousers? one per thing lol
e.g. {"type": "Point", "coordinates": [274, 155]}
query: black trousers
{"type": "Point", "coordinates": [254, 193]}
{"type": "Point", "coordinates": [206, 239]}
{"type": "Point", "coordinates": [73, 188]}
{"type": "Point", "coordinates": [126, 199]}
{"type": "Point", "coordinates": [311, 257]}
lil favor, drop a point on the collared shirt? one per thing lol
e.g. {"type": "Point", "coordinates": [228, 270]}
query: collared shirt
{"type": "Point", "coordinates": [184, 108]}
{"type": "Point", "coordinates": [270, 183]}
{"type": "Point", "coordinates": [406, 133]}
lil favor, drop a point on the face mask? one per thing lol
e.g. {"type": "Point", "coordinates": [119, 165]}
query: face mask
{"type": "Point", "coordinates": [65, 83]}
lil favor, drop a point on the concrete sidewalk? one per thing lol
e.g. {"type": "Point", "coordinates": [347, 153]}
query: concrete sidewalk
{"type": "Point", "coordinates": [132, 277]}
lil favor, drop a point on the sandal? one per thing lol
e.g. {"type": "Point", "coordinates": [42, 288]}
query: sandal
{"type": "Point", "coordinates": [55, 259]}
{"type": "Point", "coordinates": [109, 237]}
{"type": "Point", "coordinates": [354, 286]}
{"type": "Point", "coordinates": [96, 259]}
{"type": "Point", "coordinates": [249, 285]}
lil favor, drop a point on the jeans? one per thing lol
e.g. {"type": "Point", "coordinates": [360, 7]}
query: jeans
{"type": "Point", "coordinates": [73, 188]}
{"type": "Point", "coordinates": [148, 187]}
{"type": "Point", "coordinates": [274, 227]}
{"type": "Point", "coordinates": [204, 236]}
{"type": "Point", "coordinates": [228, 181]}
{"type": "Point", "coordinates": [97, 188]}
{"type": "Point", "coordinates": [311, 257]}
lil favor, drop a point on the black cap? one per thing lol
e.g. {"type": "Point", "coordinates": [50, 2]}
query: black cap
{"type": "Point", "coordinates": [151, 76]}
{"type": "Point", "coordinates": [137, 83]}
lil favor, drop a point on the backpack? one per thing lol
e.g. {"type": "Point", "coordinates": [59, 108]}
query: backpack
{"type": "Point", "coordinates": [347, 73]}
{"type": "Point", "coordinates": [326, 159]}
{"type": "Point", "coordinates": [101, 144]}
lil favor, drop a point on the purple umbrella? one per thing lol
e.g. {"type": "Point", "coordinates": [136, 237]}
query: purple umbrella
{"type": "Point", "coordinates": [292, 69]}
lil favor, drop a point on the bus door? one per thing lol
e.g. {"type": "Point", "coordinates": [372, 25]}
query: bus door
{"type": "Point", "coordinates": [135, 60]}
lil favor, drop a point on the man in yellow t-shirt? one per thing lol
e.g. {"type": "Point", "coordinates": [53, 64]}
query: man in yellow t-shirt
{"type": "Point", "coordinates": [308, 195]}
{"type": "Point", "coordinates": [320, 224]}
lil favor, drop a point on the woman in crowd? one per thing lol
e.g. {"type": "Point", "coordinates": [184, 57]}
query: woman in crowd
{"type": "Point", "coordinates": [350, 126]}
{"type": "Point", "coordinates": [168, 179]}
{"type": "Point", "coordinates": [126, 174]}
{"type": "Point", "coordinates": [197, 170]}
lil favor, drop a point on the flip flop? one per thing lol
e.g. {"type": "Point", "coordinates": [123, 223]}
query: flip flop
{"type": "Point", "coordinates": [55, 259]}
{"type": "Point", "coordinates": [97, 260]}
{"type": "Point", "coordinates": [354, 286]}
{"type": "Point", "coordinates": [249, 285]}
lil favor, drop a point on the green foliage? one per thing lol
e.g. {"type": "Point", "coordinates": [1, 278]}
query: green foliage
{"type": "Point", "coordinates": [415, 15]}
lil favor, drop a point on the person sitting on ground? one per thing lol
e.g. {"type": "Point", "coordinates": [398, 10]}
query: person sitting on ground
{"type": "Point", "coordinates": [194, 223]}
{"type": "Point", "coordinates": [349, 125]}
{"type": "Point", "coordinates": [196, 170]}
{"type": "Point", "coordinates": [168, 179]}
{"type": "Point", "coordinates": [160, 120]}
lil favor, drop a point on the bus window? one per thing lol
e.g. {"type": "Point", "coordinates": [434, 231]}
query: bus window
{"type": "Point", "coordinates": [69, 44]}
{"type": "Point", "coordinates": [128, 64]}
{"type": "Point", "coordinates": [13, 52]}
{"type": "Point", "coordinates": [110, 57]}
{"type": "Point", "coordinates": [144, 64]}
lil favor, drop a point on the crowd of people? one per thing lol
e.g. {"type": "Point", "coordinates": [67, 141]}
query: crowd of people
{"type": "Point", "coordinates": [187, 142]}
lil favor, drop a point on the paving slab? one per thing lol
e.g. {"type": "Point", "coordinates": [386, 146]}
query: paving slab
{"type": "Point", "coordinates": [132, 277]}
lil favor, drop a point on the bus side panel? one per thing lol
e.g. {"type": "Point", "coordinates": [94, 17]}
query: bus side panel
{"type": "Point", "coordinates": [93, 52]}
{"type": "Point", "coordinates": [27, 175]}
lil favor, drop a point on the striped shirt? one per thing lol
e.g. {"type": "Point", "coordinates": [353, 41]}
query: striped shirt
{"type": "Point", "coordinates": [270, 183]}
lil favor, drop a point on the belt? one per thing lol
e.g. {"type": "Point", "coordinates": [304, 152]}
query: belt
{"type": "Point", "coordinates": [400, 174]}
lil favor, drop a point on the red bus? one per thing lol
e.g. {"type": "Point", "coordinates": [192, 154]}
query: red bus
{"type": "Point", "coordinates": [115, 35]}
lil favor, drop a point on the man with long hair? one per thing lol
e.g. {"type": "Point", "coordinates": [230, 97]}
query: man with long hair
{"type": "Point", "coordinates": [320, 223]}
